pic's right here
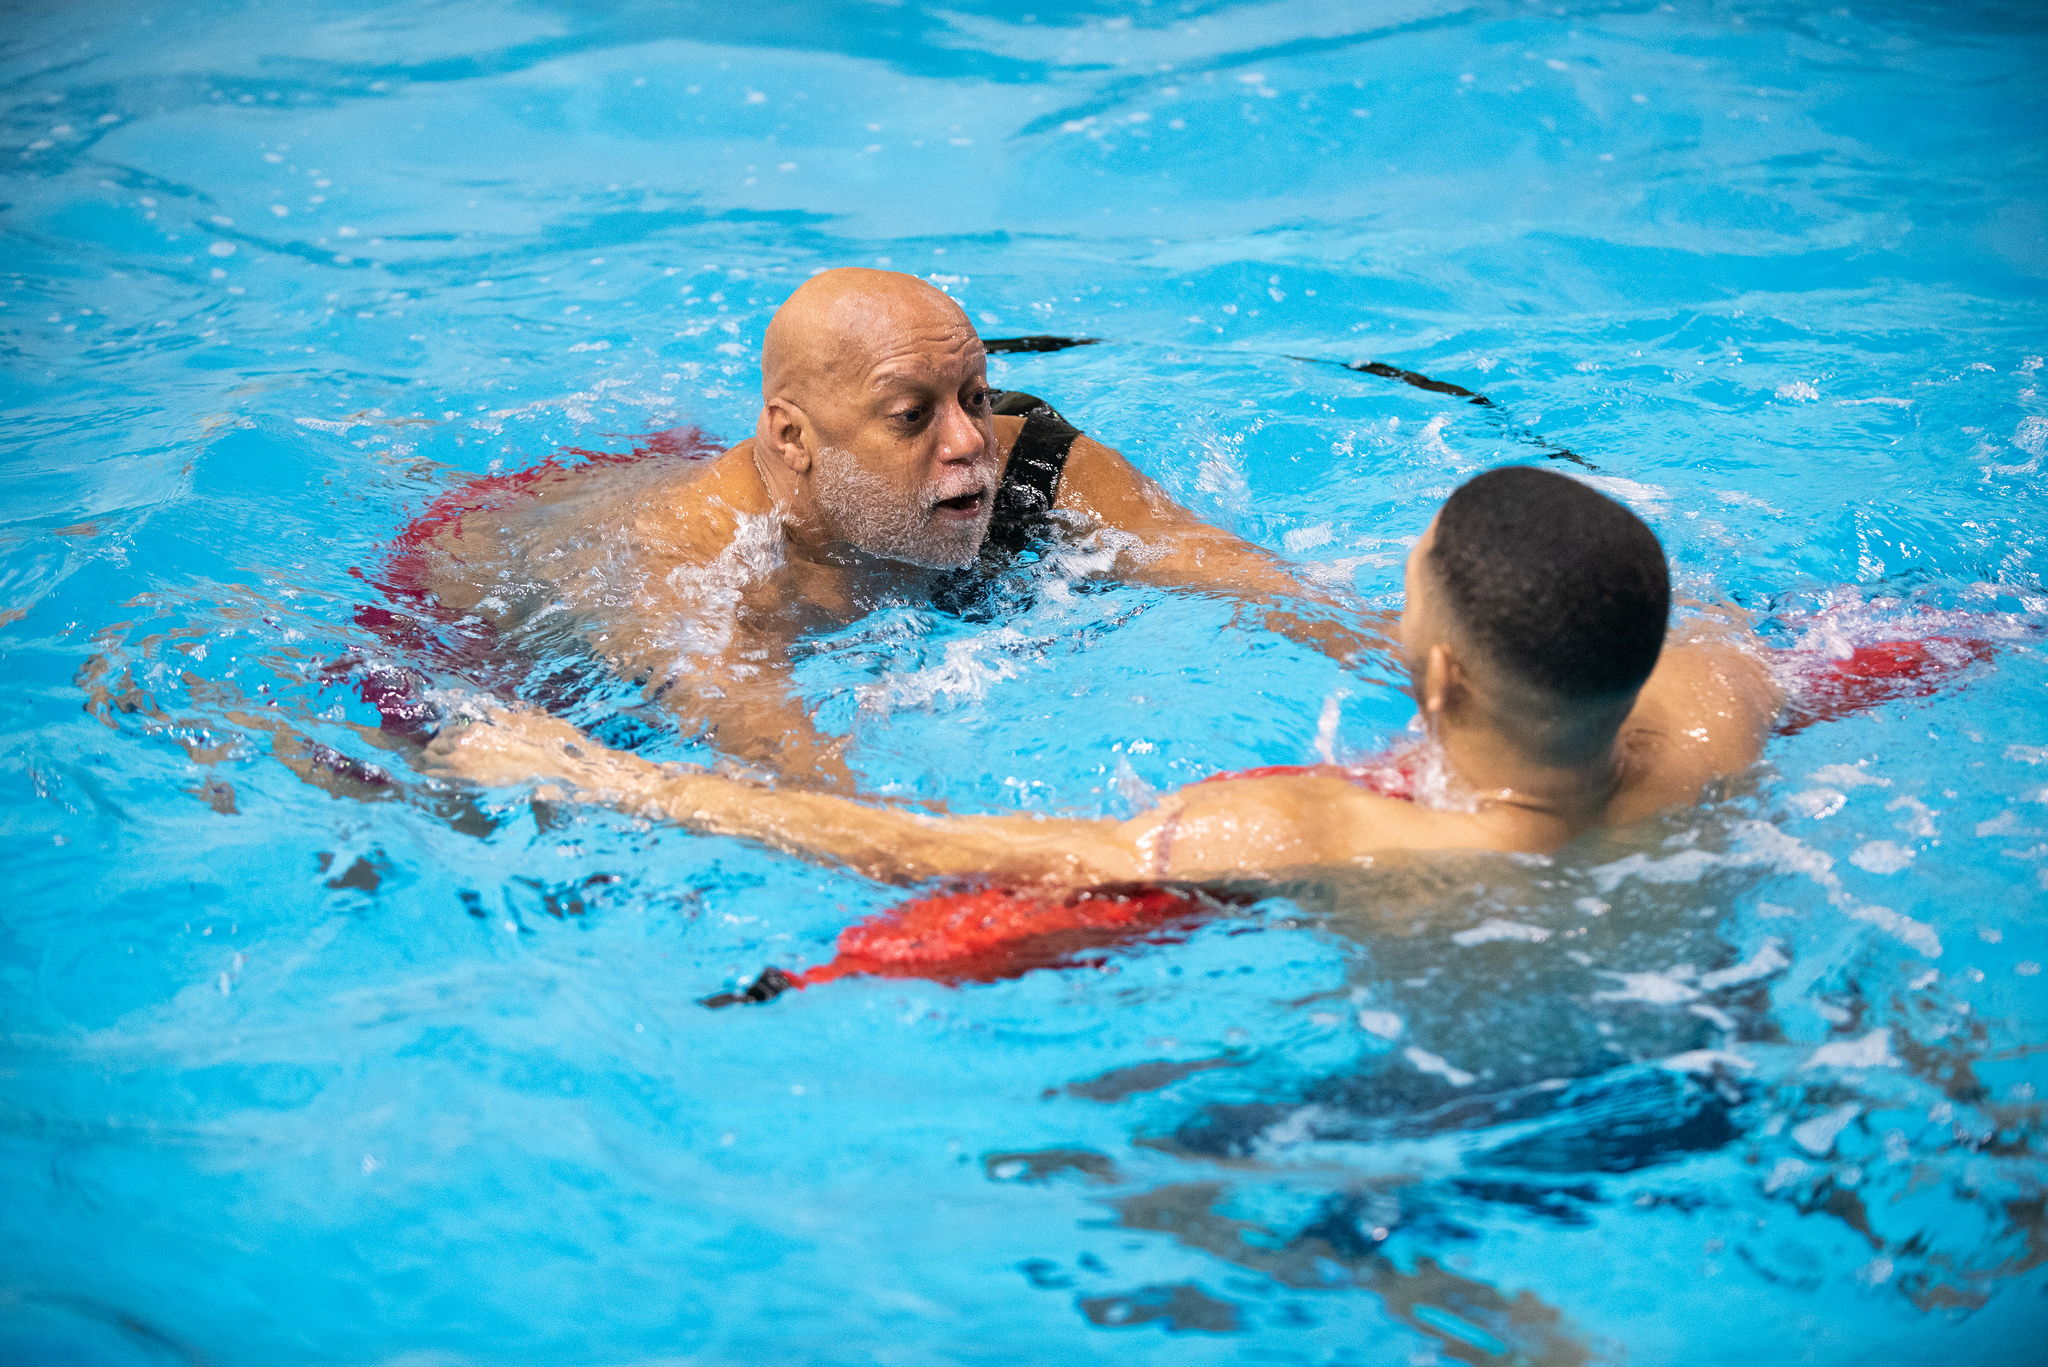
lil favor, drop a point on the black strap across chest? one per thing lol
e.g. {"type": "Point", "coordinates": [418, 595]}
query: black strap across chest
{"type": "Point", "coordinates": [1031, 481]}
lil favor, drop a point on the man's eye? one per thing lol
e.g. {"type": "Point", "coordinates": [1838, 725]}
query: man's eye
{"type": "Point", "coordinates": [910, 415]}
{"type": "Point", "coordinates": [979, 398]}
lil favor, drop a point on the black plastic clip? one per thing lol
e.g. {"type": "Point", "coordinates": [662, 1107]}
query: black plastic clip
{"type": "Point", "coordinates": [772, 983]}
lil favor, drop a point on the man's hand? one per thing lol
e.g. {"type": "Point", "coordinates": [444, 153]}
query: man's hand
{"type": "Point", "coordinates": [510, 746]}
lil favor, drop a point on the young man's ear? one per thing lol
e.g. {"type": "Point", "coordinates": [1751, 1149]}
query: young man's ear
{"type": "Point", "coordinates": [783, 435]}
{"type": "Point", "coordinates": [1443, 691]}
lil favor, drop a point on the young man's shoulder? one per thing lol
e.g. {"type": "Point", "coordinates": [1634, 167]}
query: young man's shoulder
{"type": "Point", "coordinates": [1705, 713]}
{"type": "Point", "coordinates": [1332, 819]}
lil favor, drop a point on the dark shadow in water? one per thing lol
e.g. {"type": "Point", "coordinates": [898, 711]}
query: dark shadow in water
{"type": "Point", "coordinates": [1118, 1083]}
{"type": "Point", "coordinates": [55, 1327]}
{"type": "Point", "coordinates": [1340, 1247]}
{"type": "Point", "coordinates": [1179, 1308]}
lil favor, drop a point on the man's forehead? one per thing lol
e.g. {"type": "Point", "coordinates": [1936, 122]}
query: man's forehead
{"type": "Point", "coordinates": [927, 353]}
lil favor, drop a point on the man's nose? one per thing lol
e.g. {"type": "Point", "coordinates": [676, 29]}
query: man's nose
{"type": "Point", "coordinates": [961, 440]}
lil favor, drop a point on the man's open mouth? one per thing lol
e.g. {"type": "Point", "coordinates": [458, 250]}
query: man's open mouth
{"type": "Point", "coordinates": [966, 503]}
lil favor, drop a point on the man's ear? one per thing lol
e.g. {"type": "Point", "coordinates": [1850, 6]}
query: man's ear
{"type": "Point", "coordinates": [1444, 691]}
{"type": "Point", "coordinates": [784, 434]}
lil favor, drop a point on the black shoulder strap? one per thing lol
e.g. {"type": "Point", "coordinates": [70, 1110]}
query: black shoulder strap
{"type": "Point", "coordinates": [1031, 480]}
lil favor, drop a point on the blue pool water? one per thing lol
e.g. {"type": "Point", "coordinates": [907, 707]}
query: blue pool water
{"type": "Point", "coordinates": [301, 1067]}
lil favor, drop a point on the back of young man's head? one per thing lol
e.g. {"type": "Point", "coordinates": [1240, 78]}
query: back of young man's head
{"type": "Point", "coordinates": [1557, 585]}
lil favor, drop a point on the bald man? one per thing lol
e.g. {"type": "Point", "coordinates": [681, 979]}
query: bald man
{"type": "Point", "coordinates": [882, 467]}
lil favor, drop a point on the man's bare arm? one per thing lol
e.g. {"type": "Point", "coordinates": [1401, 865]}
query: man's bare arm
{"type": "Point", "coordinates": [750, 710]}
{"type": "Point", "coordinates": [1176, 549]}
{"type": "Point", "coordinates": [1244, 828]}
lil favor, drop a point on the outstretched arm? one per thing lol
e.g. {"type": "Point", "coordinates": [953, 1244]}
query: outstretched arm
{"type": "Point", "coordinates": [1176, 549]}
{"type": "Point", "coordinates": [1247, 827]}
{"type": "Point", "coordinates": [883, 843]}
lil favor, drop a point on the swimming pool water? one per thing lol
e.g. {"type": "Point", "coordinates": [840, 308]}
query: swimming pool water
{"type": "Point", "coordinates": [307, 1063]}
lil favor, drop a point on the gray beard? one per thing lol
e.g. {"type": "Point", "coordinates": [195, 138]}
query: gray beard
{"type": "Point", "coordinates": [881, 522]}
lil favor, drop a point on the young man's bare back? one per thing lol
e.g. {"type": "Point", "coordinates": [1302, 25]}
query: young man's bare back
{"type": "Point", "coordinates": [878, 468]}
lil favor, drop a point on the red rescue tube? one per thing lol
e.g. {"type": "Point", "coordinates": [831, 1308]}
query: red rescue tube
{"type": "Point", "coordinates": [1874, 675]}
{"type": "Point", "coordinates": [423, 632]}
{"type": "Point", "coordinates": [404, 571]}
{"type": "Point", "coordinates": [994, 933]}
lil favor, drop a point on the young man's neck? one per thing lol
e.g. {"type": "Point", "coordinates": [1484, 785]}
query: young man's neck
{"type": "Point", "coordinates": [1508, 783]}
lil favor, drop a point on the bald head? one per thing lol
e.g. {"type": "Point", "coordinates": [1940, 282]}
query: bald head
{"type": "Point", "coordinates": [827, 339]}
{"type": "Point", "coordinates": [876, 429]}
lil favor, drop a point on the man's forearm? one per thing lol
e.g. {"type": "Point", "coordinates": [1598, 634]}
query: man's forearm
{"type": "Point", "coordinates": [891, 845]}
{"type": "Point", "coordinates": [1206, 559]}
{"type": "Point", "coordinates": [879, 842]}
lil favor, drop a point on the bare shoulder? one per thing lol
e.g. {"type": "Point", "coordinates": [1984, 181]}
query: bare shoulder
{"type": "Point", "coordinates": [1705, 712]}
{"type": "Point", "coordinates": [556, 525]}
{"type": "Point", "coordinates": [1297, 821]}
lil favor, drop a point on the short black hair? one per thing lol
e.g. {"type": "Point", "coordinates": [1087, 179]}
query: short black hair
{"type": "Point", "coordinates": [1553, 581]}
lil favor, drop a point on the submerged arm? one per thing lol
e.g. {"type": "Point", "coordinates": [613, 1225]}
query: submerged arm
{"type": "Point", "coordinates": [749, 708]}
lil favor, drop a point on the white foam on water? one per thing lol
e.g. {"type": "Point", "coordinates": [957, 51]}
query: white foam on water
{"type": "Point", "coordinates": [710, 594]}
{"type": "Point", "coordinates": [1849, 776]}
{"type": "Point", "coordinates": [1491, 930]}
{"type": "Point", "coordinates": [1307, 538]}
{"type": "Point", "coordinates": [1881, 856]}
{"type": "Point", "coordinates": [1817, 803]}
{"type": "Point", "coordinates": [1385, 1024]}
{"type": "Point", "coordinates": [1426, 1062]}
{"type": "Point", "coordinates": [1134, 790]}
{"type": "Point", "coordinates": [1921, 821]}
{"type": "Point", "coordinates": [1644, 500]}
{"type": "Point", "coordinates": [1221, 472]}
{"type": "Point", "coordinates": [2031, 435]}
{"type": "Point", "coordinates": [1762, 964]}
{"type": "Point", "coordinates": [1326, 725]}
{"type": "Point", "coordinates": [965, 675]}
{"type": "Point", "coordinates": [1658, 989]}
{"type": "Point", "coordinates": [1817, 1136]}
{"type": "Point", "coordinates": [1721, 1019]}
{"type": "Point", "coordinates": [1758, 844]}
{"type": "Point", "coordinates": [1873, 1050]}
{"type": "Point", "coordinates": [1706, 1061]}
